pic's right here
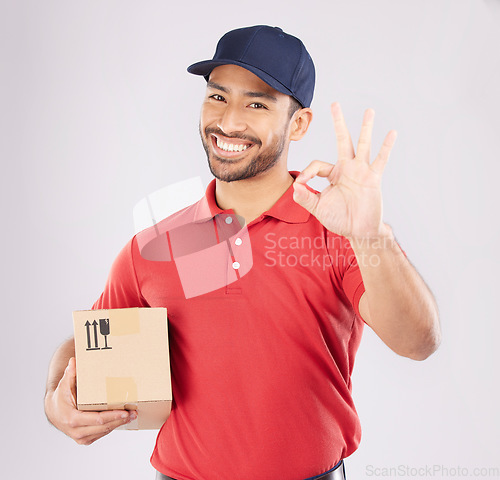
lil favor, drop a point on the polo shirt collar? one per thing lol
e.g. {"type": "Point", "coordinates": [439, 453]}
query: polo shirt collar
{"type": "Point", "coordinates": [285, 209]}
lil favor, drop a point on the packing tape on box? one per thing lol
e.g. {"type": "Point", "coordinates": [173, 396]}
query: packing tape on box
{"type": "Point", "coordinates": [121, 390]}
{"type": "Point", "coordinates": [128, 322]}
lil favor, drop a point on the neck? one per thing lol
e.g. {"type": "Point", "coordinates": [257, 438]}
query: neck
{"type": "Point", "coordinates": [251, 197]}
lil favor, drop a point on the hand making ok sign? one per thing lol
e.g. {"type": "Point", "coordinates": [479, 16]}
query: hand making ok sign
{"type": "Point", "coordinates": [352, 204]}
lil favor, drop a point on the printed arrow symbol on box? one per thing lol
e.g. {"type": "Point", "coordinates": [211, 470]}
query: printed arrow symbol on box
{"type": "Point", "coordinates": [87, 325]}
{"type": "Point", "coordinates": [89, 342]}
{"type": "Point", "coordinates": [94, 323]}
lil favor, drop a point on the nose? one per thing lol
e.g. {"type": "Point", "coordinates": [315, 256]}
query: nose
{"type": "Point", "coordinates": [232, 120]}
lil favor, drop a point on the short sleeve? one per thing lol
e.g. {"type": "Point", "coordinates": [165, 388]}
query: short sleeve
{"type": "Point", "coordinates": [345, 268]}
{"type": "Point", "coordinates": [122, 288]}
{"type": "Point", "coordinates": [352, 282]}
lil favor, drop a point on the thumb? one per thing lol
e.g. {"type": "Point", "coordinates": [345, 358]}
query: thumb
{"type": "Point", "coordinates": [68, 381]}
{"type": "Point", "coordinates": [304, 197]}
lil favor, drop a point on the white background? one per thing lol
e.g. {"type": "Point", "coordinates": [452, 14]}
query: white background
{"type": "Point", "coordinates": [97, 111]}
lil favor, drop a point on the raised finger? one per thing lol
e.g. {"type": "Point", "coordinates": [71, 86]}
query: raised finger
{"type": "Point", "coordinates": [345, 148]}
{"type": "Point", "coordinates": [380, 162]}
{"type": "Point", "coordinates": [315, 168]}
{"type": "Point", "coordinates": [365, 137]}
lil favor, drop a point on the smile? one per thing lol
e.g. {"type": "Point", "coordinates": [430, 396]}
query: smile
{"type": "Point", "coordinates": [229, 146]}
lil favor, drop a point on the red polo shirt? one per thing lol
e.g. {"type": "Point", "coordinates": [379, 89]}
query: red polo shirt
{"type": "Point", "coordinates": [264, 327]}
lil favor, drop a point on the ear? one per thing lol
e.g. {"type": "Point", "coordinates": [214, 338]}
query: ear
{"type": "Point", "coordinates": [300, 123]}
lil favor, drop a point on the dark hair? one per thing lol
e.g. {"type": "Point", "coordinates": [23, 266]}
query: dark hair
{"type": "Point", "coordinates": [294, 107]}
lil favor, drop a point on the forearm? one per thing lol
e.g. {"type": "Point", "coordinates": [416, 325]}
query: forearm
{"type": "Point", "coordinates": [397, 303]}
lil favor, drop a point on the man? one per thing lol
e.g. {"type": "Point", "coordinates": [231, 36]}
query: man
{"type": "Point", "coordinates": [261, 363]}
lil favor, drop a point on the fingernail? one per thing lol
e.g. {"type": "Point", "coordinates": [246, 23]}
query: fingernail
{"type": "Point", "coordinates": [133, 416]}
{"type": "Point", "coordinates": [125, 415]}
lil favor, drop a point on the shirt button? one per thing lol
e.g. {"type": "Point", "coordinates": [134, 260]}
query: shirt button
{"type": "Point", "coordinates": [236, 265]}
{"type": "Point", "coordinates": [238, 241]}
{"type": "Point", "coordinates": [229, 220]}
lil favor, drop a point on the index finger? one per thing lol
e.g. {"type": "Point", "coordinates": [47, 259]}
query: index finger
{"type": "Point", "coordinates": [345, 148]}
{"type": "Point", "coordinates": [315, 168]}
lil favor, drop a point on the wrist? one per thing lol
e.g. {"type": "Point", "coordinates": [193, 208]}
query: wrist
{"type": "Point", "coordinates": [383, 238]}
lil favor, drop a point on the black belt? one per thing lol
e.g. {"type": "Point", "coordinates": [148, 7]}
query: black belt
{"type": "Point", "coordinates": [336, 473]}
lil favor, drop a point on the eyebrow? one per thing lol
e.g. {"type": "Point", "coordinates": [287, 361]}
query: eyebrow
{"type": "Point", "coordinates": [267, 96]}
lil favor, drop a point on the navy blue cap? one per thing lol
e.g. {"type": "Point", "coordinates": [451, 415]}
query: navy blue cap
{"type": "Point", "coordinates": [279, 59]}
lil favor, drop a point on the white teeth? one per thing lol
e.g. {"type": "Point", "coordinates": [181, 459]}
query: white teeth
{"type": "Point", "coordinates": [230, 147]}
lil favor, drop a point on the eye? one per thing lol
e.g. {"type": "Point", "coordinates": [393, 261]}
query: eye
{"type": "Point", "coordinates": [257, 106]}
{"type": "Point", "coordinates": [217, 97]}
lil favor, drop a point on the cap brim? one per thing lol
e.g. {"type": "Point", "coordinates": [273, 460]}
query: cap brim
{"type": "Point", "coordinates": [205, 68]}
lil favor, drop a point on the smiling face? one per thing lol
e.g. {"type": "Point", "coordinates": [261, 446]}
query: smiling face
{"type": "Point", "coordinates": [244, 124]}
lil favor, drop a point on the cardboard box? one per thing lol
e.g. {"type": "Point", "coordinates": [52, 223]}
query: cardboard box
{"type": "Point", "coordinates": [122, 362]}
